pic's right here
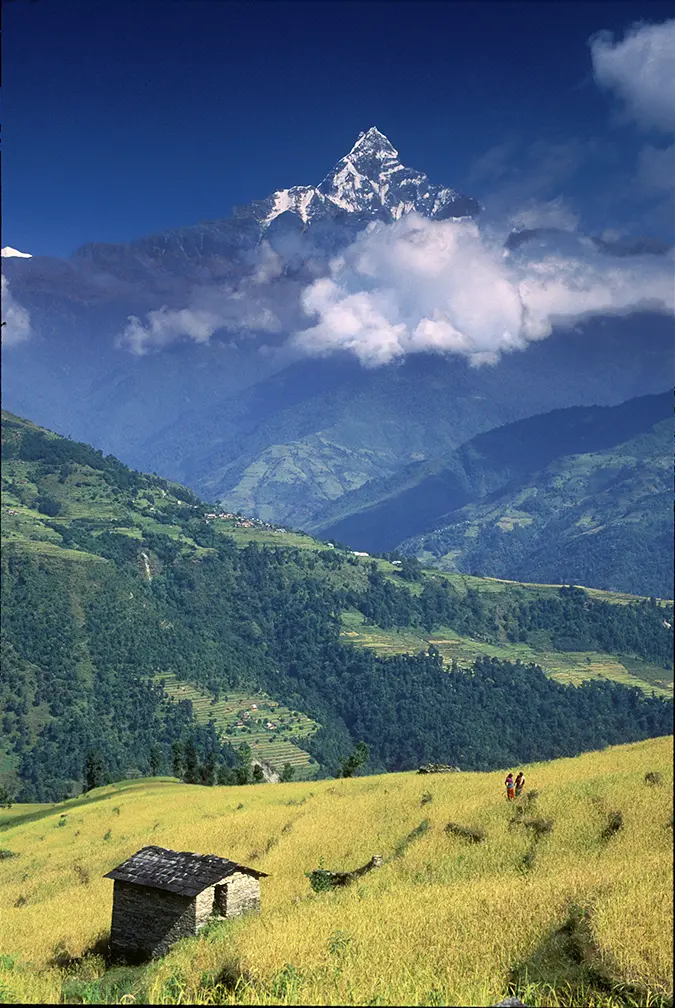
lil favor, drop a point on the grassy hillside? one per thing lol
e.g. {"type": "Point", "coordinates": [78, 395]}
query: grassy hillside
{"type": "Point", "coordinates": [581, 915]}
{"type": "Point", "coordinates": [579, 494]}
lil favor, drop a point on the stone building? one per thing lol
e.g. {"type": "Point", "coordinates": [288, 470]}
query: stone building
{"type": "Point", "coordinates": [162, 895]}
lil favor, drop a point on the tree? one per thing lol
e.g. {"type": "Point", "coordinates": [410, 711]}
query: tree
{"type": "Point", "coordinates": [177, 763]}
{"type": "Point", "coordinates": [358, 757]}
{"type": "Point", "coordinates": [288, 773]}
{"type": "Point", "coordinates": [191, 772]}
{"type": "Point", "coordinates": [242, 770]}
{"type": "Point", "coordinates": [155, 759]}
{"type": "Point", "coordinates": [258, 775]}
{"type": "Point", "coordinates": [94, 771]}
{"type": "Point", "coordinates": [5, 798]}
{"type": "Point", "coordinates": [208, 771]}
{"type": "Point", "coordinates": [410, 569]}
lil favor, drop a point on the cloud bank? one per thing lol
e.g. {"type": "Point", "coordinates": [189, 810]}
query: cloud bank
{"type": "Point", "coordinates": [17, 327]}
{"type": "Point", "coordinates": [449, 286]}
{"type": "Point", "coordinates": [421, 285]}
{"type": "Point", "coordinates": [256, 304]}
{"type": "Point", "coordinates": [641, 71]}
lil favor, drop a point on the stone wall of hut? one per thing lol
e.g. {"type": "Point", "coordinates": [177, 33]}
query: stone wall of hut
{"type": "Point", "coordinates": [146, 921]}
{"type": "Point", "coordinates": [237, 894]}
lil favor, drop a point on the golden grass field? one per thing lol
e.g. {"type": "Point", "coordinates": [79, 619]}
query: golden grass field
{"type": "Point", "coordinates": [443, 922]}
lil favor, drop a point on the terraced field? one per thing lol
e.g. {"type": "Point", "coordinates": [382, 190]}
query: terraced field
{"type": "Point", "coordinates": [272, 746]}
{"type": "Point", "coordinates": [264, 536]}
{"type": "Point", "coordinates": [564, 666]}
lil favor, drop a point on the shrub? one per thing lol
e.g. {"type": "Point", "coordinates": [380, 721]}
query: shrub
{"type": "Point", "coordinates": [5, 853]}
{"type": "Point", "coordinates": [654, 778]}
{"type": "Point", "coordinates": [320, 879]}
{"type": "Point", "coordinates": [82, 874]}
{"type": "Point", "coordinates": [614, 824]}
{"type": "Point", "coordinates": [414, 834]}
{"type": "Point", "coordinates": [539, 827]}
{"type": "Point", "coordinates": [528, 860]}
{"type": "Point", "coordinates": [426, 798]}
{"type": "Point", "coordinates": [466, 832]}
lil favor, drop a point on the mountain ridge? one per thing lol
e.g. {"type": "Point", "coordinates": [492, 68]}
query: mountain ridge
{"type": "Point", "coordinates": [480, 474]}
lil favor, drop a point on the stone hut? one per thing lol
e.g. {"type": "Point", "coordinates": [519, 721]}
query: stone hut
{"type": "Point", "coordinates": [162, 895]}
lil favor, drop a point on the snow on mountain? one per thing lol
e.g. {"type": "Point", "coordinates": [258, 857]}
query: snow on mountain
{"type": "Point", "coordinates": [371, 180]}
{"type": "Point", "coordinates": [8, 252]}
{"type": "Point", "coordinates": [304, 222]}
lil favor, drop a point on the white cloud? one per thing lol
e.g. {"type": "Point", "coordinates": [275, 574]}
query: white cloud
{"type": "Point", "coordinates": [641, 71]}
{"type": "Point", "coordinates": [17, 326]}
{"type": "Point", "coordinates": [553, 213]}
{"type": "Point", "coordinates": [257, 304]}
{"type": "Point", "coordinates": [421, 285]}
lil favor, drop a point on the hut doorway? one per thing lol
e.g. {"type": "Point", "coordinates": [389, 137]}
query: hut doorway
{"type": "Point", "coordinates": [220, 900]}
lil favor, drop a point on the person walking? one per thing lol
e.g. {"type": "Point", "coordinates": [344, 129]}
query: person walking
{"type": "Point", "coordinates": [510, 787]}
{"type": "Point", "coordinates": [520, 783]}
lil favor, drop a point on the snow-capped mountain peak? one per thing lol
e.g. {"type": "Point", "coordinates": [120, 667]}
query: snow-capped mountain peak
{"type": "Point", "coordinates": [301, 224]}
{"type": "Point", "coordinates": [369, 180]}
{"type": "Point", "coordinates": [8, 252]}
{"type": "Point", "coordinates": [373, 143]}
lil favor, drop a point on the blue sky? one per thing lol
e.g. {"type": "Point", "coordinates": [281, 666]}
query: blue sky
{"type": "Point", "coordinates": [124, 118]}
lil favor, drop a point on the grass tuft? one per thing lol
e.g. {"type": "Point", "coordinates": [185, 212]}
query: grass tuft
{"type": "Point", "coordinates": [473, 835]}
{"type": "Point", "coordinates": [613, 825]}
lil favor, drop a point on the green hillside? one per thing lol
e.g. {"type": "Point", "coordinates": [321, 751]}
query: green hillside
{"type": "Point", "coordinates": [600, 518]}
{"type": "Point", "coordinates": [578, 495]}
{"type": "Point", "coordinates": [564, 900]}
{"type": "Point", "coordinates": [130, 611]}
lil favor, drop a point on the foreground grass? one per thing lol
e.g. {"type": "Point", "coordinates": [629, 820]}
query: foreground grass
{"type": "Point", "coordinates": [573, 918]}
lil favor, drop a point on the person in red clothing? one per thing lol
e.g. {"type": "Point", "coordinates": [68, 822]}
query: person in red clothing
{"type": "Point", "coordinates": [510, 787]}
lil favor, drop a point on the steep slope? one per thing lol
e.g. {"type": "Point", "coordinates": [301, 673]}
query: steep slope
{"type": "Point", "coordinates": [547, 905]}
{"type": "Point", "coordinates": [600, 518]}
{"type": "Point", "coordinates": [290, 446]}
{"type": "Point", "coordinates": [617, 479]}
{"type": "Point", "coordinates": [119, 587]}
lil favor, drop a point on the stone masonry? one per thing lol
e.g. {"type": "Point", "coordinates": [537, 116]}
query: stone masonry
{"type": "Point", "coordinates": [161, 896]}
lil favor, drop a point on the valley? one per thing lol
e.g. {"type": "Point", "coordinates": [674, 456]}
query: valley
{"type": "Point", "coordinates": [336, 541]}
{"type": "Point", "coordinates": [167, 605]}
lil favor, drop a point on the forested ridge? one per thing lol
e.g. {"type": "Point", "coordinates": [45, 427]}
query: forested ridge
{"type": "Point", "coordinates": [86, 640]}
{"type": "Point", "coordinates": [577, 495]}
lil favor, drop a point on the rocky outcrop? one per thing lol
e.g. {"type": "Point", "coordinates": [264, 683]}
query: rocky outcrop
{"type": "Point", "coordinates": [438, 768]}
{"type": "Point", "coordinates": [345, 878]}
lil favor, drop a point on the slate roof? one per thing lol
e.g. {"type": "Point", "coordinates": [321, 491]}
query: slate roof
{"type": "Point", "coordinates": [180, 872]}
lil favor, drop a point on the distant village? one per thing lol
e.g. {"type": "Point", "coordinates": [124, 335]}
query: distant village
{"type": "Point", "coordinates": [245, 522]}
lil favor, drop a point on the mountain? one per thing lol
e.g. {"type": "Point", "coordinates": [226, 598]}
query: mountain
{"type": "Point", "coordinates": [563, 487]}
{"type": "Point", "coordinates": [8, 252]}
{"type": "Point", "coordinates": [131, 615]}
{"type": "Point", "coordinates": [306, 444]}
{"type": "Point", "coordinates": [544, 892]}
{"type": "Point", "coordinates": [601, 518]}
{"type": "Point", "coordinates": [369, 180]}
{"type": "Point", "coordinates": [234, 410]}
